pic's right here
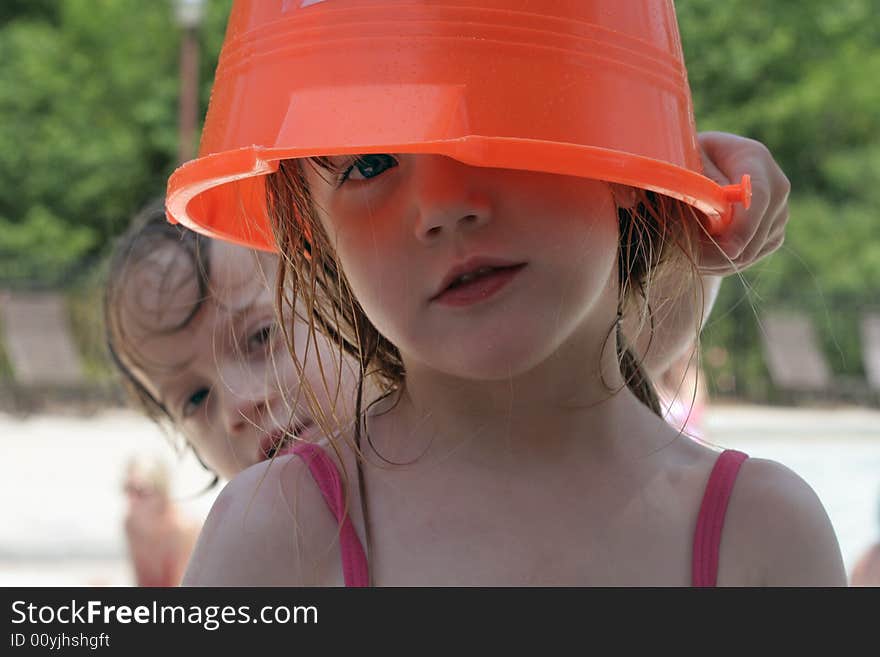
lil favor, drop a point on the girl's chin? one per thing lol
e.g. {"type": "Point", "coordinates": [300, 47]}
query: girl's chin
{"type": "Point", "coordinates": [495, 366]}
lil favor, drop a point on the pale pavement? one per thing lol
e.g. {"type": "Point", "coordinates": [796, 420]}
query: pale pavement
{"type": "Point", "coordinates": [62, 506]}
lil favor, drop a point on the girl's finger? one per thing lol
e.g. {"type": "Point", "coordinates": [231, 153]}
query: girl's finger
{"type": "Point", "coordinates": [750, 225]}
{"type": "Point", "coordinates": [713, 258]}
{"type": "Point", "coordinates": [771, 247]}
{"type": "Point", "coordinates": [711, 170]}
{"type": "Point", "coordinates": [718, 253]}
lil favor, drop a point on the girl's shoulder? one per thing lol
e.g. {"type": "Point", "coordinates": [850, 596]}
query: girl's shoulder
{"type": "Point", "coordinates": [269, 526]}
{"type": "Point", "coordinates": [776, 532]}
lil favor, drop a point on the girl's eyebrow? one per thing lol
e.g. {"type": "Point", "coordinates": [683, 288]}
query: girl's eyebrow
{"type": "Point", "coordinates": [239, 317]}
{"type": "Point", "coordinates": [232, 307]}
{"type": "Point", "coordinates": [234, 323]}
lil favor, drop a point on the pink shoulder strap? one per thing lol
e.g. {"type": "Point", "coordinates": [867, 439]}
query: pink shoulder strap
{"type": "Point", "coordinates": [326, 476]}
{"type": "Point", "coordinates": [710, 521]}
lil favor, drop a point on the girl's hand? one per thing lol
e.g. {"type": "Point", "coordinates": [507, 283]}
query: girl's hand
{"type": "Point", "coordinates": [754, 233]}
{"type": "Point", "coordinates": [750, 236]}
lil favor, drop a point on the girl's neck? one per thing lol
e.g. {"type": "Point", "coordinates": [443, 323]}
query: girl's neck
{"type": "Point", "coordinates": [557, 404]}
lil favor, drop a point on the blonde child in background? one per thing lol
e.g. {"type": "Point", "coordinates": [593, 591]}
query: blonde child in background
{"type": "Point", "coordinates": [159, 537]}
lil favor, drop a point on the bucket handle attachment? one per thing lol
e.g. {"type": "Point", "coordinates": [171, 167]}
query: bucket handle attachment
{"type": "Point", "coordinates": [741, 193]}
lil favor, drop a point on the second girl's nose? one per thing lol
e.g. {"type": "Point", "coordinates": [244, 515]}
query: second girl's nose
{"type": "Point", "coordinates": [447, 198]}
{"type": "Point", "coordinates": [241, 413]}
{"type": "Point", "coordinates": [244, 397]}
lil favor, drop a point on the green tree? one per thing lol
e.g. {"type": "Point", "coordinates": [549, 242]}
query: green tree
{"type": "Point", "coordinates": [88, 96]}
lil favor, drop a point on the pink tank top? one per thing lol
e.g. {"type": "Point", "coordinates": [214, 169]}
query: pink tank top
{"type": "Point", "coordinates": [710, 521]}
{"type": "Point", "coordinates": [707, 536]}
{"type": "Point", "coordinates": [326, 476]}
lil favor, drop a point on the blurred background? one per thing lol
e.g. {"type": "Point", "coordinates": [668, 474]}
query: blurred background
{"type": "Point", "coordinates": [100, 99]}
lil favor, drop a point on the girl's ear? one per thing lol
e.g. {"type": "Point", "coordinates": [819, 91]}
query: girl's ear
{"type": "Point", "coordinates": [624, 195]}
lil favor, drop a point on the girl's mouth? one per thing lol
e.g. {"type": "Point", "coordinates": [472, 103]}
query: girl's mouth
{"type": "Point", "coordinates": [476, 284]}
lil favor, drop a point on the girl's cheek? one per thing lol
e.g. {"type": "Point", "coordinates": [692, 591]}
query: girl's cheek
{"type": "Point", "coordinates": [203, 435]}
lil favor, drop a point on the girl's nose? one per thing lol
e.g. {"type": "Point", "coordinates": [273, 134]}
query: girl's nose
{"type": "Point", "coordinates": [446, 197]}
{"type": "Point", "coordinates": [241, 414]}
{"type": "Point", "coordinates": [244, 398]}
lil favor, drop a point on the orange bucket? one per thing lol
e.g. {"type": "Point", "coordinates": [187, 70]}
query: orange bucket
{"type": "Point", "coordinates": [589, 88]}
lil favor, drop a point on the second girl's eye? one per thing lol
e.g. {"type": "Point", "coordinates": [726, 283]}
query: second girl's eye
{"type": "Point", "coordinates": [368, 166]}
{"type": "Point", "coordinates": [194, 401]}
{"type": "Point", "coordinates": [259, 339]}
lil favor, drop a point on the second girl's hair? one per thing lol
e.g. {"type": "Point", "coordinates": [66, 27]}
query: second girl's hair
{"type": "Point", "coordinates": [151, 233]}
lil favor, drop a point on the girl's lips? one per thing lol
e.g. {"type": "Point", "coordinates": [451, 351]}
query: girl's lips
{"type": "Point", "coordinates": [471, 266]}
{"type": "Point", "coordinates": [480, 288]}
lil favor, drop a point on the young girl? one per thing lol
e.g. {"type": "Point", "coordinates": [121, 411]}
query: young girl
{"type": "Point", "coordinates": [191, 327]}
{"type": "Point", "coordinates": [160, 539]}
{"type": "Point", "coordinates": [518, 440]}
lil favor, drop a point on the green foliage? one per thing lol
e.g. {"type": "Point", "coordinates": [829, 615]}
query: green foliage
{"type": "Point", "coordinates": [44, 9]}
{"type": "Point", "coordinates": [41, 245]}
{"type": "Point", "coordinates": [6, 372]}
{"type": "Point", "coordinates": [796, 75]}
{"type": "Point", "coordinates": [88, 95]}
{"type": "Point", "coordinates": [84, 306]}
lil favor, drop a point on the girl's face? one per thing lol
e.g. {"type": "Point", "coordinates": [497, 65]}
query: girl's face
{"type": "Point", "coordinates": [475, 272]}
{"type": "Point", "coordinates": [226, 376]}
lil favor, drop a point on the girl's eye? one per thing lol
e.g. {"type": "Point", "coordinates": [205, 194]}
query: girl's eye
{"type": "Point", "coordinates": [194, 401]}
{"type": "Point", "coordinates": [368, 166]}
{"type": "Point", "coordinates": [259, 339]}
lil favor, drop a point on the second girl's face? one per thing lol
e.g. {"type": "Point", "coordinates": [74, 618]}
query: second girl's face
{"type": "Point", "coordinates": [475, 272]}
{"type": "Point", "coordinates": [226, 376]}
